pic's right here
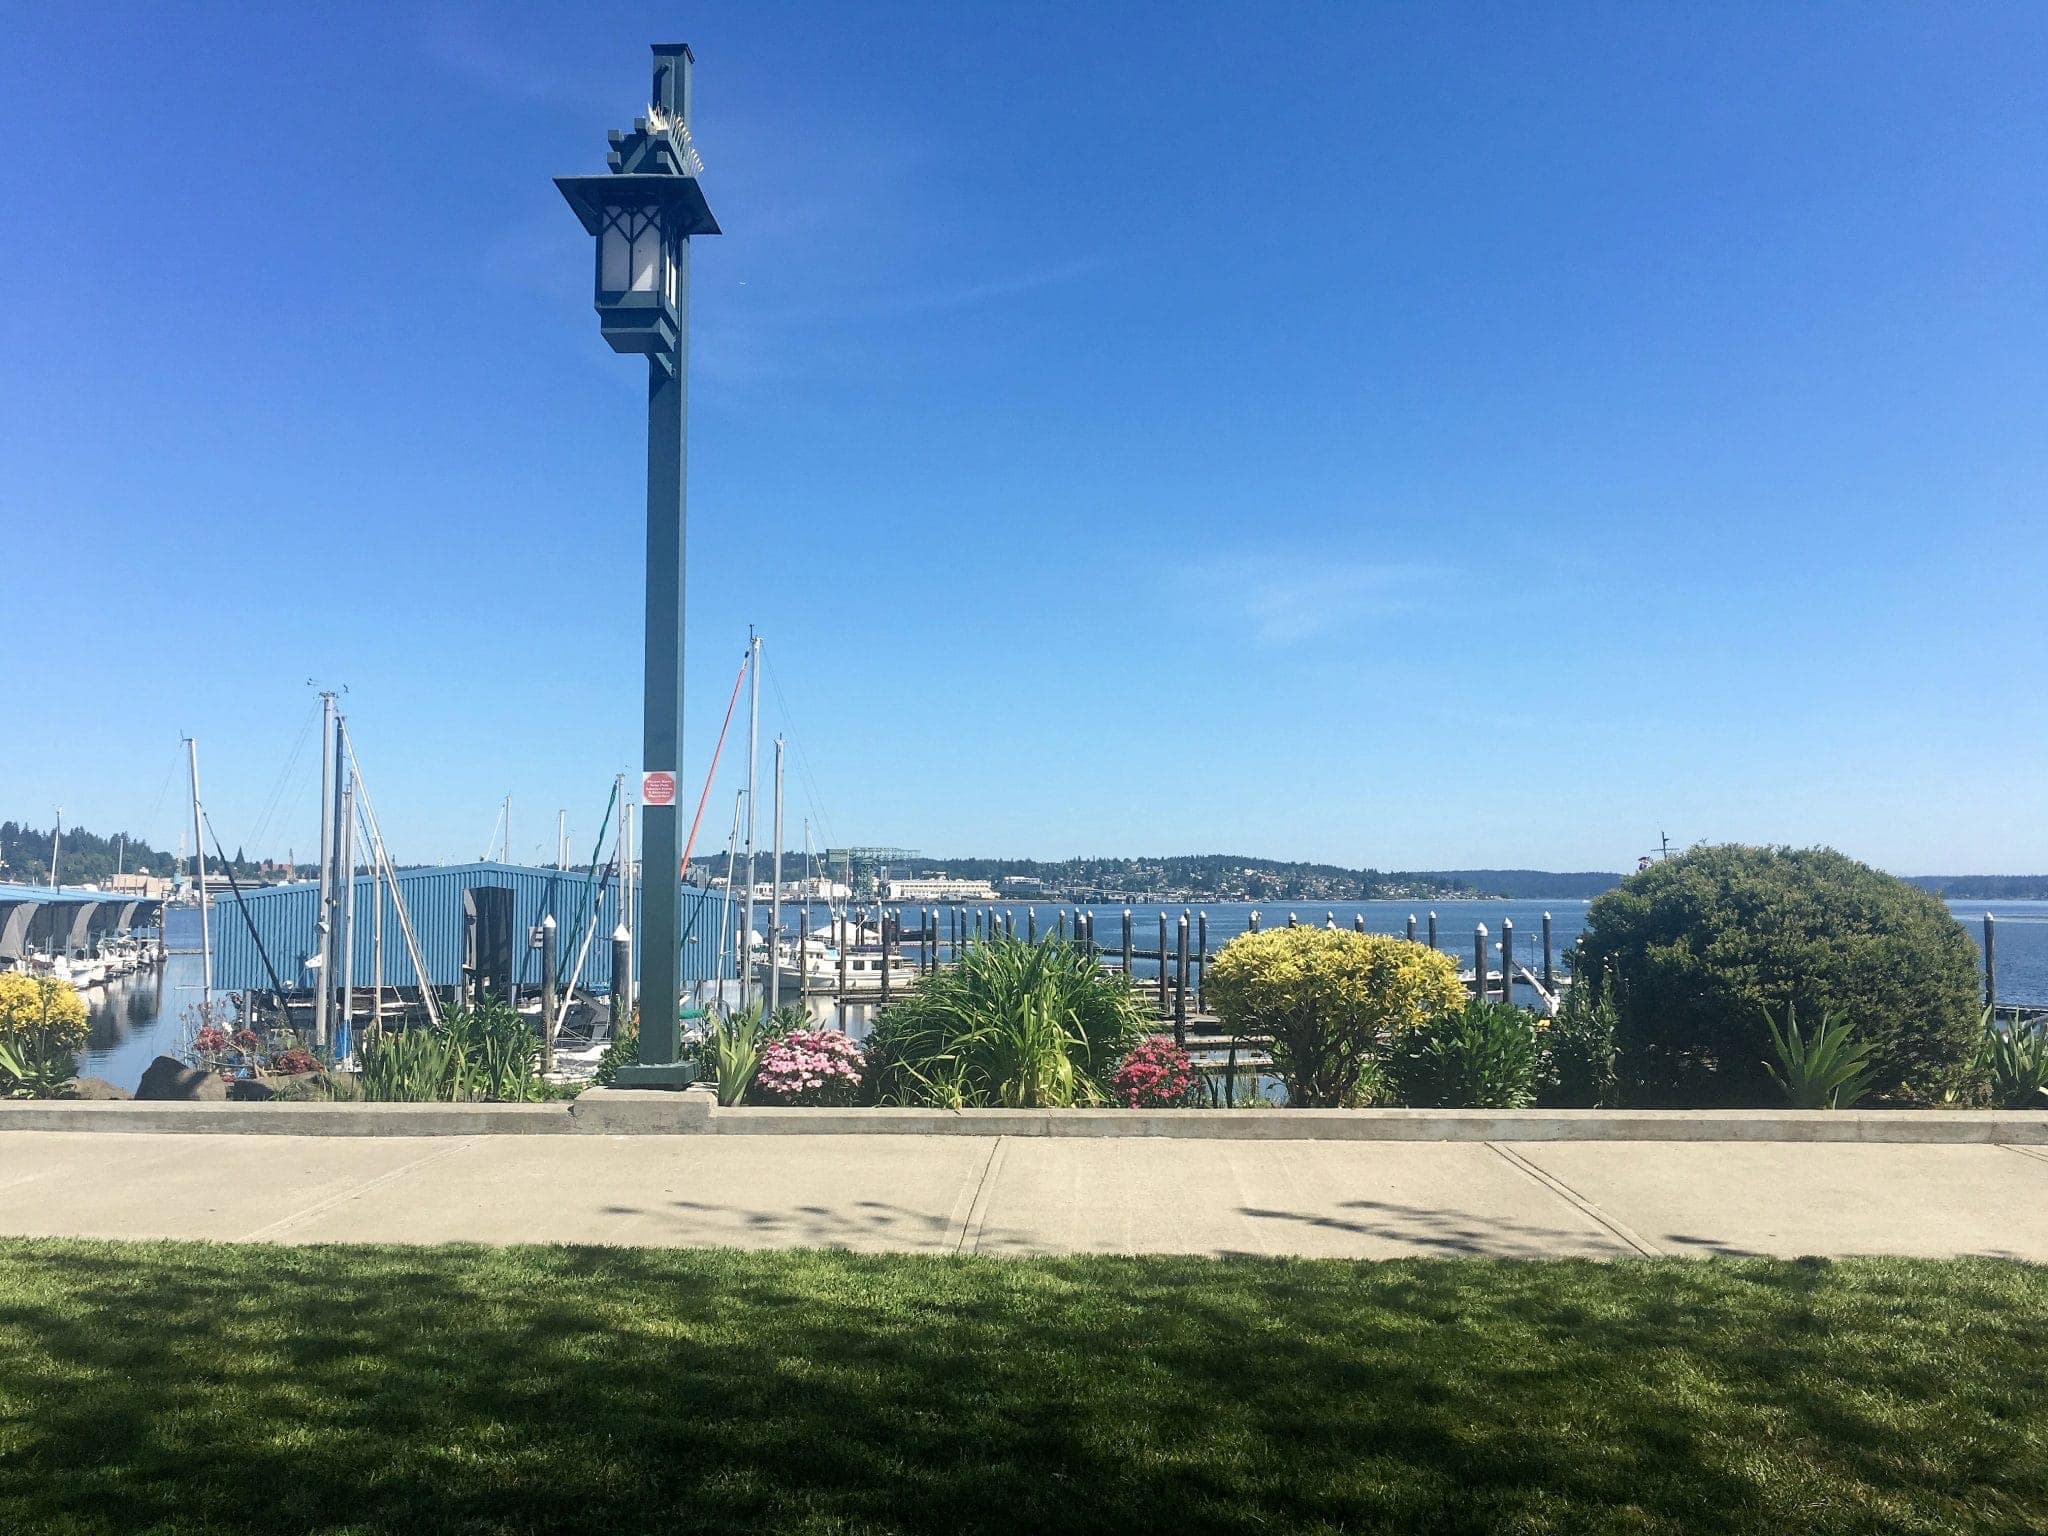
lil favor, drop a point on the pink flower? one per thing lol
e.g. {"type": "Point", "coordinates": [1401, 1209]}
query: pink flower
{"type": "Point", "coordinates": [1156, 1074]}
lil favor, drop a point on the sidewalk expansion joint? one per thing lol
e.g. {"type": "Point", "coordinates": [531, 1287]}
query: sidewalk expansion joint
{"type": "Point", "coordinates": [2037, 1153]}
{"type": "Point", "coordinates": [321, 1207]}
{"type": "Point", "coordinates": [1579, 1202]}
{"type": "Point", "coordinates": [977, 1212]}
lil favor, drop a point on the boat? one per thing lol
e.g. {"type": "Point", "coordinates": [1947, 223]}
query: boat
{"type": "Point", "coordinates": [813, 966]}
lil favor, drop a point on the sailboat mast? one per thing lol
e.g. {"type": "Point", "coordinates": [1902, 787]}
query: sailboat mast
{"type": "Point", "coordinates": [623, 857]}
{"type": "Point", "coordinates": [330, 970]}
{"type": "Point", "coordinates": [56, 846]}
{"type": "Point", "coordinates": [346, 861]}
{"type": "Point", "coordinates": [199, 867]}
{"type": "Point", "coordinates": [753, 781]}
{"type": "Point", "coordinates": [775, 894]}
{"type": "Point", "coordinates": [322, 914]}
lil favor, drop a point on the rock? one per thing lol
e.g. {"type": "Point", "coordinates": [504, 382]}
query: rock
{"type": "Point", "coordinates": [169, 1078]}
{"type": "Point", "coordinates": [97, 1088]}
{"type": "Point", "coordinates": [247, 1090]}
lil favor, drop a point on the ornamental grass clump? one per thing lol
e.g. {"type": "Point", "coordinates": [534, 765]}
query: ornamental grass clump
{"type": "Point", "coordinates": [42, 1025]}
{"type": "Point", "coordinates": [1157, 1074]}
{"type": "Point", "coordinates": [1331, 1002]}
{"type": "Point", "coordinates": [2015, 1063]}
{"type": "Point", "coordinates": [487, 1052]}
{"type": "Point", "coordinates": [733, 1043]}
{"type": "Point", "coordinates": [1012, 1024]}
{"type": "Point", "coordinates": [809, 1067]}
{"type": "Point", "coordinates": [1827, 1069]}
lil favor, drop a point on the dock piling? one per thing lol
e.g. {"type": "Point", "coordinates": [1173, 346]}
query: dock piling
{"type": "Point", "coordinates": [1162, 959]}
{"type": "Point", "coordinates": [1180, 989]}
{"type": "Point", "coordinates": [1507, 959]}
{"type": "Point", "coordinates": [1549, 975]}
{"type": "Point", "coordinates": [1479, 959]}
{"type": "Point", "coordinates": [1991, 964]}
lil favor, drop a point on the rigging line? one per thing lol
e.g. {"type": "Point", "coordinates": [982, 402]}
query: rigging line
{"type": "Point", "coordinates": [276, 984]}
{"type": "Point", "coordinates": [149, 825]}
{"type": "Point", "coordinates": [690, 842]}
{"type": "Point", "coordinates": [383, 858]}
{"type": "Point", "coordinates": [277, 789]}
{"type": "Point", "coordinates": [812, 795]}
{"type": "Point", "coordinates": [586, 909]}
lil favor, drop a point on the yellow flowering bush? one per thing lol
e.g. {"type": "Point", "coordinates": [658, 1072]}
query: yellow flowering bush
{"type": "Point", "coordinates": [41, 1004]}
{"type": "Point", "coordinates": [1331, 1001]}
{"type": "Point", "coordinates": [42, 1024]}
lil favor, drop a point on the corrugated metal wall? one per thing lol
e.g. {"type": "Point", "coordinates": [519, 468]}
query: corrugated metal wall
{"type": "Point", "coordinates": [284, 917]}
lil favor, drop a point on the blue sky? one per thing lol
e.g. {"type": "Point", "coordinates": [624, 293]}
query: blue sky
{"type": "Point", "coordinates": [1396, 435]}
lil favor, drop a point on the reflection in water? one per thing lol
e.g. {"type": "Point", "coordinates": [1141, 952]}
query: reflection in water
{"type": "Point", "coordinates": [132, 1021]}
{"type": "Point", "coordinates": [121, 1007]}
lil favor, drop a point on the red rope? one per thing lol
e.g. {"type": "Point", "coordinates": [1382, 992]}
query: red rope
{"type": "Point", "coordinates": [698, 820]}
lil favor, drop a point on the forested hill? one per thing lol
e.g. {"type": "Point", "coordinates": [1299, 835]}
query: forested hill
{"type": "Point", "coordinates": [1241, 877]}
{"type": "Point", "coordinates": [1986, 887]}
{"type": "Point", "coordinates": [1528, 884]}
{"type": "Point", "coordinates": [87, 858]}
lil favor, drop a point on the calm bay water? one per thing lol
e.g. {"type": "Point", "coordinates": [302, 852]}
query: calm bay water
{"type": "Point", "coordinates": [142, 1017]}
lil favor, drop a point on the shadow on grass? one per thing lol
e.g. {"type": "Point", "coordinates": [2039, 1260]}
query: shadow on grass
{"type": "Point", "coordinates": [190, 1387]}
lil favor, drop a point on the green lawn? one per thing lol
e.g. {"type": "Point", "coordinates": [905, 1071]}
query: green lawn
{"type": "Point", "coordinates": [189, 1387]}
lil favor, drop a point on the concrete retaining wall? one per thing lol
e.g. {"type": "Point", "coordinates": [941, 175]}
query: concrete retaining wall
{"type": "Point", "coordinates": [616, 1111]}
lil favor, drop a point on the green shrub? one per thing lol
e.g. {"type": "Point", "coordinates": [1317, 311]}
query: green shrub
{"type": "Point", "coordinates": [1013, 1024]}
{"type": "Point", "coordinates": [1579, 1066]}
{"type": "Point", "coordinates": [1484, 1055]}
{"type": "Point", "coordinates": [1330, 1001]}
{"type": "Point", "coordinates": [1828, 1069]}
{"type": "Point", "coordinates": [1696, 951]}
{"type": "Point", "coordinates": [623, 1050]}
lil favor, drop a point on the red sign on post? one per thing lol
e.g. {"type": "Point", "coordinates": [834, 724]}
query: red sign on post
{"type": "Point", "coordinates": [657, 788]}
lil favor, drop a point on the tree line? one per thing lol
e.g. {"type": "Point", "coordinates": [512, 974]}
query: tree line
{"type": "Point", "coordinates": [91, 858]}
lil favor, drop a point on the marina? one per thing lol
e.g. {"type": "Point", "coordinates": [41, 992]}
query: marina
{"type": "Point", "coordinates": [154, 1011]}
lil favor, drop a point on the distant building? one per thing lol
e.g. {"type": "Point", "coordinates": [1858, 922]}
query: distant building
{"type": "Point", "coordinates": [141, 883]}
{"type": "Point", "coordinates": [1022, 885]}
{"type": "Point", "coordinates": [940, 887]}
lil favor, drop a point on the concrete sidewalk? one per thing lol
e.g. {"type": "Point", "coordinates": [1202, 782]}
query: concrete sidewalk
{"type": "Point", "coordinates": [1025, 1195]}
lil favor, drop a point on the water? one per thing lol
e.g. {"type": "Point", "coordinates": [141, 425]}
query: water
{"type": "Point", "coordinates": [145, 1016]}
{"type": "Point", "coordinates": [142, 1016]}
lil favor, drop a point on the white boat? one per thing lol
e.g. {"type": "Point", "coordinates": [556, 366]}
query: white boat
{"type": "Point", "coordinates": [813, 966]}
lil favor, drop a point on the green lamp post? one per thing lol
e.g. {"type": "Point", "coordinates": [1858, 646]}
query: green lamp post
{"type": "Point", "coordinates": [642, 215]}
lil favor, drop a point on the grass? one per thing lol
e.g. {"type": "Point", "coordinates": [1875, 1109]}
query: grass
{"type": "Point", "coordinates": [192, 1387]}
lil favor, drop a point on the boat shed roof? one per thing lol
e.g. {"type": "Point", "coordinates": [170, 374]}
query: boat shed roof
{"type": "Point", "coordinates": [280, 921]}
{"type": "Point", "coordinates": [67, 917]}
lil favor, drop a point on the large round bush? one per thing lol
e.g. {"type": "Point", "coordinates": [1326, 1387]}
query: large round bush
{"type": "Point", "coordinates": [1331, 1001]}
{"type": "Point", "coordinates": [1695, 951]}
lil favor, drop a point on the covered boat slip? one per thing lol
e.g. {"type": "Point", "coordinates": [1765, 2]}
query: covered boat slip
{"type": "Point", "coordinates": [65, 921]}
